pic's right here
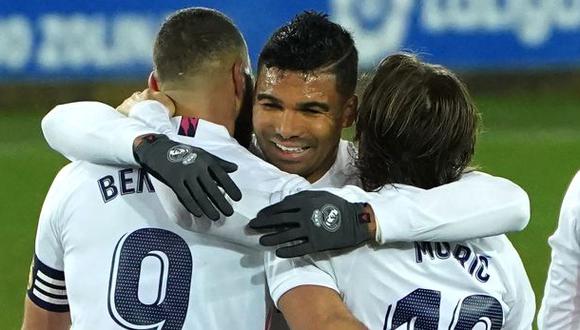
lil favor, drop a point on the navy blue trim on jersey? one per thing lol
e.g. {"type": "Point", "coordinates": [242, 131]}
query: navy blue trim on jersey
{"type": "Point", "coordinates": [47, 288]}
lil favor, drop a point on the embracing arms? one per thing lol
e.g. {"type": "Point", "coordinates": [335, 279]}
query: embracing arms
{"type": "Point", "coordinates": [478, 205]}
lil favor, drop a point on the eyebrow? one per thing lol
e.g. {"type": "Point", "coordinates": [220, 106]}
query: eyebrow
{"type": "Point", "coordinates": [302, 105]}
{"type": "Point", "coordinates": [263, 96]}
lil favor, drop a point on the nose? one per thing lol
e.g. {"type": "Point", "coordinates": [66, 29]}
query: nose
{"type": "Point", "coordinates": [290, 124]}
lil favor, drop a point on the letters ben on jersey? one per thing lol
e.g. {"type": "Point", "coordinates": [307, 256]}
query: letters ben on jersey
{"type": "Point", "coordinates": [110, 39]}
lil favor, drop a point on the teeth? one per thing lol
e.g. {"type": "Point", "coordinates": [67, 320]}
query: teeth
{"type": "Point", "coordinates": [289, 149]}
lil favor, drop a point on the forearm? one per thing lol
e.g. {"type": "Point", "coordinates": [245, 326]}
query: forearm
{"type": "Point", "coordinates": [311, 307]}
{"type": "Point", "coordinates": [93, 132]}
{"type": "Point", "coordinates": [335, 322]}
{"type": "Point", "coordinates": [36, 318]}
{"type": "Point", "coordinates": [479, 206]}
{"type": "Point", "coordinates": [232, 229]}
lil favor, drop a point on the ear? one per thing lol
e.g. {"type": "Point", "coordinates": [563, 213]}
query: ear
{"type": "Point", "coordinates": [350, 111]}
{"type": "Point", "coordinates": [152, 82]}
{"type": "Point", "coordinates": [239, 79]}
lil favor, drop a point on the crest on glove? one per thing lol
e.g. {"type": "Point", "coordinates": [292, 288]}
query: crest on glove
{"type": "Point", "coordinates": [327, 217]}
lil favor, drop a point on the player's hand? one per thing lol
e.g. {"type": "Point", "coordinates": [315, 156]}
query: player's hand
{"type": "Point", "coordinates": [146, 94]}
{"type": "Point", "coordinates": [315, 220]}
{"type": "Point", "coordinates": [192, 173]}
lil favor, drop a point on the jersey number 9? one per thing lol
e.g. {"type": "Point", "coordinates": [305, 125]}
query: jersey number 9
{"type": "Point", "coordinates": [170, 258]}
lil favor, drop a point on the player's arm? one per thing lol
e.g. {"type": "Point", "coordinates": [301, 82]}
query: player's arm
{"type": "Point", "coordinates": [97, 133]}
{"type": "Point", "coordinates": [560, 308]}
{"type": "Point", "coordinates": [46, 305]}
{"type": "Point", "coordinates": [37, 318]}
{"type": "Point", "coordinates": [256, 179]}
{"type": "Point", "coordinates": [94, 132]}
{"type": "Point", "coordinates": [306, 291]}
{"type": "Point", "coordinates": [520, 296]}
{"type": "Point", "coordinates": [478, 205]}
{"type": "Point", "coordinates": [316, 307]}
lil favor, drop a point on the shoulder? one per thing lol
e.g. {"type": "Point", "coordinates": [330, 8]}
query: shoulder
{"type": "Point", "coordinates": [482, 177]}
{"type": "Point", "coordinates": [78, 180]}
{"type": "Point", "coordinates": [72, 176]}
{"type": "Point", "coordinates": [66, 181]}
{"type": "Point", "coordinates": [518, 289]}
{"type": "Point", "coordinates": [568, 231]}
{"type": "Point", "coordinates": [572, 198]}
{"type": "Point", "coordinates": [64, 191]}
{"type": "Point", "coordinates": [347, 153]}
{"type": "Point", "coordinates": [570, 210]}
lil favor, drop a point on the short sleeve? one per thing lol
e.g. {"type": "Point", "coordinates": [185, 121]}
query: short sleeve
{"type": "Point", "coordinates": [561, 304]}
{"type": "Point", "coordinates": [521, 300]}
{"type": "Point", "coordinates": [47, 288]}
{"type": "Point", "coordinates": [285, 274]}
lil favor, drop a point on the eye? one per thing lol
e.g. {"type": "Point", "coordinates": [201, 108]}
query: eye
{"type": "Point", "coordinates": [311, 111]}
{"type": "Point", "coordinates": [271, 106]}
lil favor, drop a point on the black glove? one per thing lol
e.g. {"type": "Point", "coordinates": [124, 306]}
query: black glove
{"type": "Point", "coordinates": [320, 220]}
{"type": "Point", "coordinates": [192, 173]}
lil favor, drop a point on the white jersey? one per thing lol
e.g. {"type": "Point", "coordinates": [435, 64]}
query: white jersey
{"type": "Point", "coordinates": [561, 303]}
{"type": "Point", "coordinates": [477, 284]}
{"type": "Point", "coordinates": [106, 248]}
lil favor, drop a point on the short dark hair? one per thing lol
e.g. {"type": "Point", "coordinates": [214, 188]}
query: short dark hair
{"type": "Point", "coordinates": [311, 42]}
{"type": "Point", "coordinates": [192, 37]}
{"type": "Point", "coordinates": [417, 125]}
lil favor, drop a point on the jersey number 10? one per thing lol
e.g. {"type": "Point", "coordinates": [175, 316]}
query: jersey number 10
{"type": "Point", "coordinates": [420, 310]}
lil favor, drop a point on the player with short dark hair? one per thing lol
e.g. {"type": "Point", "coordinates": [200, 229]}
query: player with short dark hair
{"type": "Point", "coordinates": [193, 43]}
{"type": "Point", "coordinates": [107, 249]}
{"type": "Point", "coordinates": [426, 124]}
{"type": "Point", "coordinates": [307, 73]}
{"type": "Point", "coordinates": [309, 43]}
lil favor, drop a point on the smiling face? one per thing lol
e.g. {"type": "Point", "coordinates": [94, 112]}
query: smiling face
{"type": "Point", "coordinates": [298, 118]}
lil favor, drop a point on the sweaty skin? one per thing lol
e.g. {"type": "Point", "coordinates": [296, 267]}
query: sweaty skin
{"type": "Point", "coordinates": [298, 120]}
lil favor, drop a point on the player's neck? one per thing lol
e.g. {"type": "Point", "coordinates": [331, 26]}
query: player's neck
{"type": "Point", "coordinates": [206, 104]}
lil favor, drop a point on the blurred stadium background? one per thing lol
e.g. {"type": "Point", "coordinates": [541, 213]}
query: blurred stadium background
{"type": "Point", "coordinates": [520, 58]}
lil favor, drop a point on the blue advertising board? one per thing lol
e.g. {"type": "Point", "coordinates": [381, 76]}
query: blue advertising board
{"type": "Point", "coordinates": [63, 39]}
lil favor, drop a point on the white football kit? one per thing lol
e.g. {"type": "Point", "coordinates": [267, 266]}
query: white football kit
{"type": "Point", "coordinates": [560, 308]}
{"type": "Point", "coordinates": [106, 248]}
{"type": "Point", "coordinates": [84, 131]}
{"type": "Point", "coordinates": [476, 284]}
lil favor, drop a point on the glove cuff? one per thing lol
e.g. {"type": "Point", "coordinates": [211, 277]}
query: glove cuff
{"type": "Point", "coordinates": [363, 220]}
{"type": "Point", "coordinates": [142, 144]}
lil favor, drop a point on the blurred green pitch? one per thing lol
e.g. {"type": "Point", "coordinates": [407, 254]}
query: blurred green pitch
{"type": "Point", "coordinates": [530, 138]}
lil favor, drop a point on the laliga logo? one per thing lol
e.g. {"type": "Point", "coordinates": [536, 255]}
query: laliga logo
{"type": "Point", "coordinates": [378, 26]}
{"type": "Point", "coordinates": [381, 26]}
{"type": "Point", "coordinates": [531, 21]}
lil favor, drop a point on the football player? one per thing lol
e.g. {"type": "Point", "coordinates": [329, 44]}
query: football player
{"type": "Point", "coordinates": [416, 130]}
{"type": "Point", "coordinates": [561, 305]}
